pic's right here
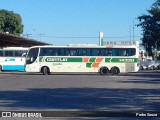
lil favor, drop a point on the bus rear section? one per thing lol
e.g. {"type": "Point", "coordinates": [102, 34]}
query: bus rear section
{"type": "Point", "coordinates": [12, 59]}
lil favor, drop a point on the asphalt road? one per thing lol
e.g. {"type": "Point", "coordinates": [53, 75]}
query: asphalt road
{"type": "Point", "coordinates": [125, 92]}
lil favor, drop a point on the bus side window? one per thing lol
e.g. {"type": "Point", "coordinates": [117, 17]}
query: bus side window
{"type": "Point", "coordinates": [77, 52]}
{"type": "Point", "coordinates": [1, 52]}
{"type": "Point", "coordinates": [51, 52]}
{"type": "Point", "coordinates": [41, 52]}
{"type": "Point", "coordinates": [68, 52]}
{"type": "Point", "coordinates": [104, 52]}
{"type": "Point", "coordinates": [84, 52]}
{"type": "Point", "coordinates": [59, 51]}
{"type": "Point", "coordinates": [125, 52]}
{"type": "Point", "coordinates": [9, 53]}
{"type": "Point", "coordinates": [93, 52]}
{"type": "Point", "coordinates": [73, 52]}
{"type": "Point", "coordinates": [44, 52]}
{"type": "Point", "coordinates": [132, 52]}
{"type": "Point", "coordinates": [109, 52]}
{"type": "Point", "coordinates": [19, 53]}
{"type": "Point", "coordinates": [55, 52]}
{"type": "Point", "coordinates": [99, 52]}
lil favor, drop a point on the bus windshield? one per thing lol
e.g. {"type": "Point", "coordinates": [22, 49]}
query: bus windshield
{"type": "Point", "coordinates": [32, 55]}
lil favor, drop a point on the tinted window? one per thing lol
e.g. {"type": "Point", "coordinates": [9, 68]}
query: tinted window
{"type": "Point", "coordinates": [87, 51]}
{"type": "Point", "coordinates": [19, 53]}
{"type": "Point", "coordinates": [9, 53]}
{"type": "Point", "coordinates": [72, 52]}
{"type": "Point", "coordinates": [1, 52]}
{"type": "Point", "coordinates": [123, 51]}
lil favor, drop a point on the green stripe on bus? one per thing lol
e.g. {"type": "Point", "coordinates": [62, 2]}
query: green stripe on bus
{"type": "Point", "coordinates": [88, 65]}
{"type": "Point", "coordinates": [74, 60]}
{"type": "Point", "coordinates": [59, 59]}
{"type": "Point", "coordinates": [121, 60]}
{"type": "Point", "coordinates": [92, 59]}
{"type": "Point", "coordinates": [40, 59]}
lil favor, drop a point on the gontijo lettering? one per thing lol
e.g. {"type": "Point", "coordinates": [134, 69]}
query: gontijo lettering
{"type": "Point", "coordinates": [50, 59]}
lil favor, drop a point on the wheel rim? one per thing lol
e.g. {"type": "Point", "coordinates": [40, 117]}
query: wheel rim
{"type": "Point", "coordinates": [45, 71]}
{"type": "Point", "coordinates": [104, 71]}
{"type": "Point", "coordinates": [114, 71]}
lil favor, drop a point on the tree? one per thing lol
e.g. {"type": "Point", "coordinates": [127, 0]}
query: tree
{"type": "Point", "coordinates": [150, 25]}
{"type": "Point", "coordinates": [10, 22]}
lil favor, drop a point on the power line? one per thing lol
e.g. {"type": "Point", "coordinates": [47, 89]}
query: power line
{"type": "Point", "coordinates": [88, 37]}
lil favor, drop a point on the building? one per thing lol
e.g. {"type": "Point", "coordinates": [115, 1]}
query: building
{"type": "Point", "coordinates": [9, 40]}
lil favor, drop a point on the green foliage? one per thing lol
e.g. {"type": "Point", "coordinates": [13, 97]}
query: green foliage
{"type": "Point", "coordinates": [150, 25]}
{"type": "Point", "coordinates": [10, 22]}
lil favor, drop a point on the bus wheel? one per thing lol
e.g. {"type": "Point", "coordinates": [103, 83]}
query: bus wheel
{"type": "Point", "coordinates": [104, 71]}
{"type": "Point", "coordinates": [115, 70]}
{"type": "Point", "coordinates": [0, 68]}
{"type": "Point", "coordinates": [45, 71]}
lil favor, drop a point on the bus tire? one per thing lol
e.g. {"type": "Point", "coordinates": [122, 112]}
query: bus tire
{"type": "Point", "coordinates": [45, 70]}
{"type": "Point", "coordinates": [115, 70]}
{"type": "Point", "coordinates": [104, 71]}
{"type": "Point", "coordinates": [0, 68]}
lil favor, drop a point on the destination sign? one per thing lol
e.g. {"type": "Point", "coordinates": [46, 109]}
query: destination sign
{"type": "Point", "coordinates": [112, 43]}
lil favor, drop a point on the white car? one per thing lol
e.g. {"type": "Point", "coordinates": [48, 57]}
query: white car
{"type": "Point", "coordinates": [149, 65]}
{"type": "Point", "coordinates": [143, 65]}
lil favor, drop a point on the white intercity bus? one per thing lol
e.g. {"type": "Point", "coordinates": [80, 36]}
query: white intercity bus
{"type": "Point", "coordinates": [12, 58]}
{"type": "Point", "coordinates": [111, 58]}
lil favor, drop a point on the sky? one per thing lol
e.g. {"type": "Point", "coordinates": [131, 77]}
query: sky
{"type": "Point", "coordinates": [63, 22]}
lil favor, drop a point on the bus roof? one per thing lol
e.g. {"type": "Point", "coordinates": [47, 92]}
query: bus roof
{"type": "Point", "coordinates": [83, 46]}
{"type": "Point", "coordinates": [15, 48]}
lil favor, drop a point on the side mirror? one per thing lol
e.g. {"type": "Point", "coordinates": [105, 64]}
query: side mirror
{"type": "Point", "coordinates": [24, 54]}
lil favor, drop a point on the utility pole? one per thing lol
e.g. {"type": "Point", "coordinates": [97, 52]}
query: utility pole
{"type": "Point", "coordinates": [130, 32]}
{"type": "Point", "coordinates": [133, 30]}
{"type": "Point", "coordinates": [100, 38]}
